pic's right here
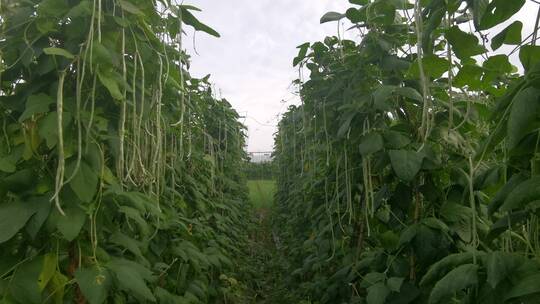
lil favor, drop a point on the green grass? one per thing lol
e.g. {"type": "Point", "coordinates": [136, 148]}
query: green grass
{"type": "Point", "coordinates": [261, 192]}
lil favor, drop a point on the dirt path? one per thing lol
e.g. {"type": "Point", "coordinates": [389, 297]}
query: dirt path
{"type": "Point", "coordinates": [268, 262]}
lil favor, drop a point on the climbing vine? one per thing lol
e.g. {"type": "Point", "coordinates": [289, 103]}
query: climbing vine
{"type": "Point", "coordinates": [119, 172]}
{"type": "Point", "coordinates": [409, 173]}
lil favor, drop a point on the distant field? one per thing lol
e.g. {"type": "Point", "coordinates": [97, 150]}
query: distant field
{"type": "Point", "coordinates": [261, 192]}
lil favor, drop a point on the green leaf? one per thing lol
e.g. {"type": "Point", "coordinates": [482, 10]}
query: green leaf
{"type": "Point", "coordinates": [525, 107]}
{"type": "Point", "coordinates": [13, 217]}
{"type": "Point", "coordinates": [381, 95]}
{"type": "Point", "coordinates": [332, 16]}
{"type": "Point", "coordinates": [523, 194]}
{"type": "Point", "coordinates": [84, 8]}
{"type": "Point", "coordinates": [510, 35]}
{"type": "Point", "coordinates": [36, 104]}
{"type": "Point", "coordinates": [52, 8]}
{"type": "Point", "coordinates": [131, 277]}
{"type": "Point", "coordinates": [434, 66]}
{"type": "Point", "coordinates": [406, 163]}
{"type": "Point", "coordinates": [189, 19]}
{"type": "Point", "coordinates": [50, 261]}
{"type": "Point", "coordinates": [7, 165]}
{"type": "Point", "coordinates": [529, 55]}
{"type": "Point", "coordinates": [377, 293]}
{"type": "Point", "coordinates": [136, 216]}
{"type": "Point", "coordinates": [130, 7]}
{"type": "Point", "coordinates": [108, 79]}
{"type": "Point", "coordinates": [20, 181]}
{"type": "Point", "coordinates": [394, 283]}
{"type": "Point", "coordinates": [190, 7]}
{"type": "Point", "coordinates": [128, 243]}
{"type": "Point", "coordinates": [499, 11]}
{"type": "Point", "coordinates": [464, 44]}
{"type": "Point", "coordinates": [71, 224]}
{"type": "Point", "coordinates": [396, 140]}
{"type": "Point", "coordinates": [301, 53]}
{"type": "Point", "coordinates": [346, 124]}
{"type": "Point", "coordinates": [43, 209]}
{"type": "Point", "coordinates": [48, 128]}
{"type": "Point", "coordinates": [500, 265]}
{"type": "Point", "coordinates": [370, 143]}
{"type": "Point", "coordinates": [371, 279]}
{"type": "Point", "coordinates": [527, 286]}
{"type": "Point", "coordinates": [85, 181]}
{"type": "Point", "coordinates": [58, 52]}
{"type": "Point", "coordinates": [469, 76]}
{"type": "Point", "coordinates": [24, 284]}
{"type": "Point", "coordinates": [503, 193]}
{"type": "Point", "coordinates": [409, 92]}
{"type": "Point", "coordinates": [356, 15]}
{"type": "Point", "coordinates": [457, 279]}
{"type": "Point", "coordinates": [94, 284]}
{"type": "Point", "coordinates": [444, 265]}
{"type": "Point", "coordinates": [498, 64]}
{"type": "Point", "coordinates": [479, 8]}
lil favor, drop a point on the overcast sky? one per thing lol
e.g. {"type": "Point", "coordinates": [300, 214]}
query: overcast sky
{"type": "Point", "coordinates": [251, 64]}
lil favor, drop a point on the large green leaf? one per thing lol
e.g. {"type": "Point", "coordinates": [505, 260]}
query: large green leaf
{"type": "Point", "coordinates": [50, 261]}
{"type": "Point", "coordinates": [189, 19]}
{"type": "Point", "coordinates": [85, 181]}
{"type": "Point", "coordinates": [444, 265]}
{"type": "Point", "coordinates": [36, 104]}
{"type": "Point", "coordinates": [500, 265]}
{"type": "Point", "coordinates": [302, 51]}
{"type": "Point", "coordinates": [527, 286]}
{"type": "Point", "coordinates": [469, 76]}
{"type": "Point", "coordinates": [332, 16]}
{"type": "Point", "coordinates": [58, 52]}
{"type": "Point", "coordinates": [111, 82]}
{"type": "Point", "coordinates": [128, 243]}
{"type": "Point", "coordinates": [396, 140]}
{"type": "Point", "coordinates": [434, 66]}
{"type": "Point", "coordinates": [52, 8]}
{"type": "Point", "coordinates": [131, 277]}
{"type": "Point", "coordinates": [377, 293]}
{"type": "Point", "coordinates": [457, 279]}
{"type": "Point", "coordinates": [522, 194]}
{"type": "Point", "coordinates": [370, 143]}
{"type": "Point", "coordinates": [43, 209]}
{"type": "Point", "coordinates": [13, 217]}
{"type": "Point", "coordinates": [130, 7]}
{"type": "Point", "coordinates": [498, 11]}
{"type": "Point", "coordinates": [525, 108]}
{"type": "Point", "coordinates": [24, 285]}
{"type": "Point", "coordinates": [395, 283]}
{"type": "Point", "coordinates": [48, 127]}
{"type": "Point", "coordinates": [406, 163]}
{"type": "Point", "coordinates": [498, 64]}
{"type": "Point", "coordinates": [529, 55]}
{"type": "Point", "coordinates": [510, 35]}
{"type": "Point", "coordinates": [464, 44]}
{"type": "Point", "coordinates": [503, 193]}
{"type": "Point", "coordinates": [94, 283]}
{"type": "Point", "coordinates": [71, 224]}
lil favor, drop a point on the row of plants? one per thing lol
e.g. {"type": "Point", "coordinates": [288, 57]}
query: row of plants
{"type": "Point", "coordinates": [120, 174]}
{"type": "Point", "coordinates": [262, 170]}
{"type": "Point", "coordinates": [409, 173]}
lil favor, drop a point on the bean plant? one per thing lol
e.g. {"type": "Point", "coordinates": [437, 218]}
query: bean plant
{"type": "Point", "coordinates": [409, 172]}
{"type": "Point", "coordinates": [120, 175]}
